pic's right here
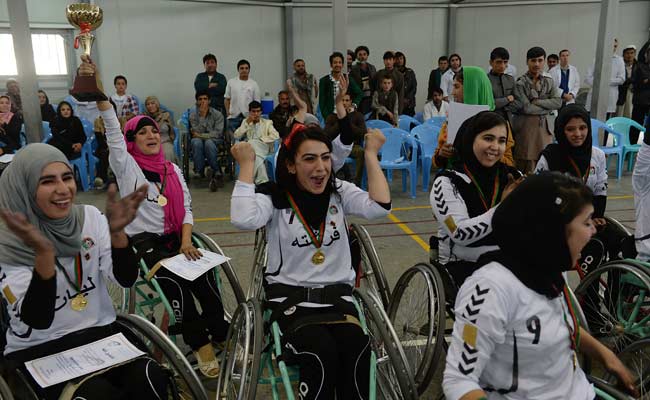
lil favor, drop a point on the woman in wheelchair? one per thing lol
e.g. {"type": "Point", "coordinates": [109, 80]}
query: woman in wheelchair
{"type": "Point", "coordinates": [516, 333]}
{"type": "Point", "coordinates": [465, 197]}
{"type": "Point", "coordinates": [574, 155]}
{"type": "Point", "coordinates": [163, 227]}
{"type": "Point", "coordinates": [55, 257]}
{"type": "Point", "coordinates": [309, 276]}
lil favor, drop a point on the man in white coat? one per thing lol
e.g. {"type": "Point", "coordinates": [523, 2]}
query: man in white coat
{"type": "Point", "coordinates": [567, 78]}
{"type": "Point", "coordinates": [261, 134]}
{"type": "Point", "coordinates": [616, 79]}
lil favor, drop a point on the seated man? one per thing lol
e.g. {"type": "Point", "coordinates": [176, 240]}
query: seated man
{"type": "Point", "coordinates": [206, 127]}
{"type": "Point", "coordinates": [281, 113]}
{"type": "Point", "coordinates": [261, 134]}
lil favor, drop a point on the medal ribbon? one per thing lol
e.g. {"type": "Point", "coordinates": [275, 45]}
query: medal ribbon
{"type": "Point", "coordinates": [495, 191]}
{"type": "Point", "coordinates": [78, 272]}
{"type": "Point", "coordinates": [316, 240]}
{"type": "Point", "coordinates": [161, 189]}
{"type": "Point", "coordinates": [582, 176]}
{"type": "Point", "coordinates": [574, 334]}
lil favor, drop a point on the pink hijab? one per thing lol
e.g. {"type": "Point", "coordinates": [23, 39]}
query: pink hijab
{"type": "Point", "coordinates": [173, 191]}
{"type": "Point", "coordinates": [5, 117]}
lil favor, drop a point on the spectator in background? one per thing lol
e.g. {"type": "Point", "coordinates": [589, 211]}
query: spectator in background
{"type": "Point", "coordinates": [47, 111]}
{"type": "Point", "coordinates": [67, 132]}
{"type": "Point", "coordinates": [261, 134]}
{"type": "Point", "coordinates": [85, 109]}
{"type": "Point", "coordinates": [435, 77]}
{"type": "Point", "coordinates": [305, 84]}
{"type": "Point", "coordinates": [641, 84]}
{"type": "Point", "coordinates": [206, 128]}
{"type": "Point", "coordinates": [281, 113]}
{"type": "Point", "coordinates": [127, 104]}
{"type": "Point", "coordinates": [552, 61]}
{"type": "Point", "coordinates": [13, 91]}
{"type": "Point", "coordinates": [240, 91]}
{"type": "Point", "coordinates": [624, 102]}
{"type": "Point", "coordinates": [329, 86]}
{"type": "Point", "coordinates": [566, 77]}
{"type": "Point", "coordinates": [385, 102]}
{"type": "Point", "coordinates": [390, 70]}
{"type": "Point", "coordinates": [503, 85]}
{"type": "Point", "coordinates": [213, 82]}
{"type": "Point", "coordinates": [350, 59]}
{"type": "Point", "coordinates": [538, 95]}
{"type": "Point", "coordinates": [165, 126]}
{"type": "Point", "coordinates": [410, 84]}
{"type": "Point", "coordinates": [363, 74]}
{"type": "Point", "coordinates": [10, 124]}
{"type": "Point", "coordinates": [447, 83]}
{"type": "Point", "coordinates": [616, 79]}
{"type": "Point", "coordinates": [435, 105]}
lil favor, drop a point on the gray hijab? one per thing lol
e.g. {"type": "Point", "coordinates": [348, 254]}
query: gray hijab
{"type": "Point", "coordinates": [18, 186]}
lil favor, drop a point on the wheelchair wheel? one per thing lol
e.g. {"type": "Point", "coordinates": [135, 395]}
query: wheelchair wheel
{"type": "Point", "coordinates": [151, 340]}
{"type": "Point", "coordinates": [417, 312]}
{"type": "Point", "coordinates": [240, 360]}
{"type": "Point", "coordinates": [371, 273]}
{"type": "Point", "coordinates": [255, 288]}
{"type": "Point", "coordinates": [605, 391]}
{"type": "Point", "coordinates": [121, 297]}
{"type": "Point", "coordinates": [5, 392]}
{"type": "Point", "coordinates": [614, 299]}
{"type": "Point", "coordinates": [393, 378]}
{"type": "Point", "coordinates": [232, 294]}
{"type": "Point", "coordinates": [636, 357]}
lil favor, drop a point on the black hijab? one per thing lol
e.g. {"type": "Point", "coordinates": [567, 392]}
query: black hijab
{"type": "Point", "coordinates": [61, 123]}
{"type": "Point", "coordinates": [47, 111]}
{"type": "Point", "coordinates": [466, 160]}
{"type": "Point", "coordinates": [529, 228]}
{"type": "Point", "coordinates": [559, 155]}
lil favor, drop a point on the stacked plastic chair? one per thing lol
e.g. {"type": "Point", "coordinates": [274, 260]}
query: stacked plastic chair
{"type": "Point", "coordinates": [616, 150]}
{"type": "Point", "coordinates": [622, 125]}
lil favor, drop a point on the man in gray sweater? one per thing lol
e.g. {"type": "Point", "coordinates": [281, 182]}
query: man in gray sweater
{"type": "Point", "coordinates": [503, 85]}
{"type": "Point", "coordinates": [206, 128]}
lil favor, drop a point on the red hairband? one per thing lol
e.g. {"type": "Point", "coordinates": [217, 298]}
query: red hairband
{"type": "Point", "coordinates": [297, 127]}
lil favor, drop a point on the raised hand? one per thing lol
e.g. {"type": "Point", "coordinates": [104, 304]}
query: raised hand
{"type": "Point", "coordinates": [373, 140]}
{"type": "Point", "coordinates": [243, 153]}
{"type": "Point", "coordinates": [28, 233]}
{"type": "Point", "coordinates": [121, 212]}
{"type": "Point", "coordinates": [511, 185]}
{"type": "Point", "coordinates": [343, 87]}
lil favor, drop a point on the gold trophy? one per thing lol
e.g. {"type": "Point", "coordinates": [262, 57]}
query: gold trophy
{"type": "Point", "coordinates": [86, 17]}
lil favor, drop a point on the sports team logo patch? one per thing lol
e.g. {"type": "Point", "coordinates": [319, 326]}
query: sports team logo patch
{"type": "Point", "coordinates": [451, 224]}
{"type": "Point", "coordinates": [470, 332]}
{"type": "Point", "coordinates": [87, 243]}
{"type": "Point", "coordinates": [334, 210]}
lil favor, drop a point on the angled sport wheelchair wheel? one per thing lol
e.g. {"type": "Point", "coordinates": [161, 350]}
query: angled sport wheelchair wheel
{"type": "Point", "coordinates": [417, 312]}
{"type": "Point", "coordinates": [185, 384]}
{"type": "Point", "coordinates": [260, 257]}
{"type": "Point", "coordinates": [371, 273]}
{"type": "Point", "coordinates": [636, 357]}
{"type": "Point", "coordinates": [393, 377]}
{"type": "Point", "coordinates": [5, 392]}
{"type": "Point", "coordinates": [615, 300]}
{"type": "Point", "coordinates": [240, 360]}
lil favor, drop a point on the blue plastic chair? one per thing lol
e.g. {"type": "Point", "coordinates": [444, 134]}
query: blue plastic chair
{"type": "Point", "coordinates": [270, 160]}
{"type": "Point", "coordinates": [177, 142]}
{"type": "Point", "coordinates": [427, 138]}
{"type": "Point", "coordinates": [394, 157]}
{"type": "Point", "coordinates": [616, 150]}
{"type": "Point", "coordinates": [623, 125]}
{"type": "Point", "coordinates": [420, 117]}
{"type": "Point", "coordinates": [367, 116]}
{"type": "Point", "coordinates": [89, 130]}
{"type": "Point", "coordinates": [378, 124]}
{"type": "Point", "coordinates": [321, 120]}
{"type": "Point", "coordinates": [437, 121]}
{"type": "Point", "coordinates": [47, 133]}
{"type": "Point", "coordinates": [405, 122]}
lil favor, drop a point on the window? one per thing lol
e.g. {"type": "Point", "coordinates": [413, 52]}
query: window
{"type": "Point", "coordinates": [49, 54]}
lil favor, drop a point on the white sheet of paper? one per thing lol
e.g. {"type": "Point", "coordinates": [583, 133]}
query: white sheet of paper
{"type": "Point", "coordinates": [82, 360]}
{"type": "Point", "coordinates": [6, 158]}
{"type": "Point", "coordinates": [459, 113]}
{"type": "Point", "coordinates": [191, 270]}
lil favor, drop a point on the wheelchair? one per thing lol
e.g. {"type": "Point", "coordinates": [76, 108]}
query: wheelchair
{"type": "Point", "coordinates": [253, 343]}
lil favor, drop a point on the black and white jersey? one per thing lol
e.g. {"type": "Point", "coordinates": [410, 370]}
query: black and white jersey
{"type": "Point", "coordinates": [511, 342]}
{"type": "Point", "coordinates": [461, 237]}
{"type": "Point", "coordinates": [97, 266]}
{"type": "Point", "coordinates": [290, 248]}
{"type": "Point", "coordinates": [151, 216]}
{"type": "Point", "coordinates": [597, 180]}
{"type": "Point", "coordinates": [641, 186]}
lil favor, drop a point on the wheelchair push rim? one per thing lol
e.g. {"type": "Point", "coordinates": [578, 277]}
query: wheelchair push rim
{"type": "Point", "coordinates": [371, 271]}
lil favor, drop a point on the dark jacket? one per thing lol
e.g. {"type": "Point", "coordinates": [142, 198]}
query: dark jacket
{"type": "Point", "coordinates": [326, 95]}
{"type": "Point", "coordinates": [202, 82]}
{"type": "Point", "coordinates": [503, 86]}
{"type": "Point", "coordinates": [280, 117]}
{"type": "Point", "coordinates": [435, 79]}
{"type": "Point", "coordinates": [10, 134]}
{"type": "Point", "coordinates": [398, 84]}
{"type": "Point", "coordinates": [410, 88]}
{"type": "Point", "coordinates": [357, 125]}
{"type": "Point", "coordinates": [356, 75]}
{"type": "Point", "coordinates": [641, 79]}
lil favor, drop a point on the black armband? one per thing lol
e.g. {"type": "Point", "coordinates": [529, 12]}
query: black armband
{"type": "Point", "coordinates": [599, 202]}
{"type": "Point", "coordinates": [37, 308]}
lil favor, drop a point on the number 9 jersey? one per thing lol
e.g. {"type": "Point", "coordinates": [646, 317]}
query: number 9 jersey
{"type": "Point", "coordinates": [512, 342]}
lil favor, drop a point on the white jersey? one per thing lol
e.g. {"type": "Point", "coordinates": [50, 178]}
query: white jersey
{"type": "Point", "coordinates": [97, 266]}
{"type": "Point", "coordinates": [290, 248]}
{"type": "Point", "coordinates": [129, 175]}
{"type": "Point", "coordinates": [597, 180]}
{"type": "Point", "coordinates": [511, 342]}
{"type": "Point", "coordinates": [641, 186]}
{"type": "Point", "coordinates": [447, 82]}
{"type": "Point", "coordinates": [458, 233]}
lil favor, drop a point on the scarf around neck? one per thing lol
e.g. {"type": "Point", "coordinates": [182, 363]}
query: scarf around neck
{"type": "Point", "coordinates": [564, 157]}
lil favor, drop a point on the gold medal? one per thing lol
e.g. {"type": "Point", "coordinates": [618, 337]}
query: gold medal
{"type": "Point", "coordinates": [79, 303]}
{"type": "Point", "coordinates": [162, 200]}
{"type": "Point", "coordinates": [318, 258]}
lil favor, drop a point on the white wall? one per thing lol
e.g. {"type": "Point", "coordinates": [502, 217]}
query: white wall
{"type": "Point", "coordinates": [40, 11]}
{"type": "Point", "coordinates": [158, 45]}
{"type": "Point", "coordinates": [418, 33]}
{"type": "Point", "coordinates": [553, 27]}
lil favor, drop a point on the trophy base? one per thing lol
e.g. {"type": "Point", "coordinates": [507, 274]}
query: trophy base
{"type": "Point", "coordinates": [85, 89]}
